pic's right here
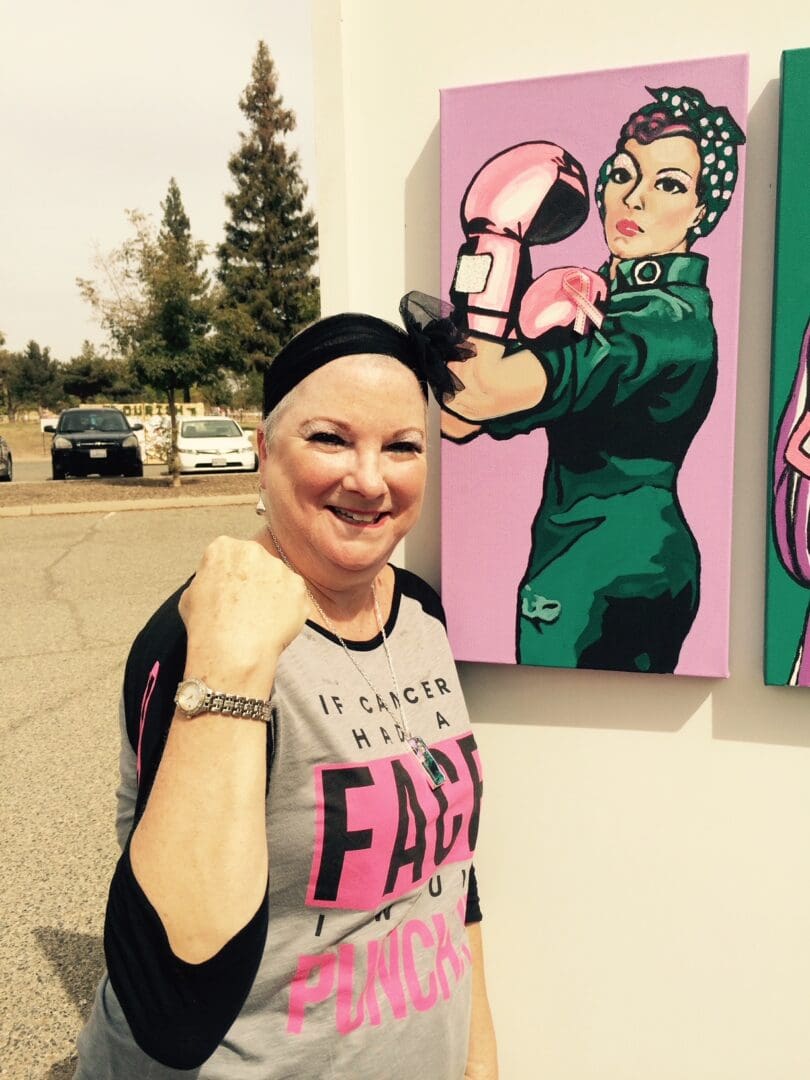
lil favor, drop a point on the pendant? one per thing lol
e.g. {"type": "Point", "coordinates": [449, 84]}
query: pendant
{"type": "Point", "coordinates": [427, 760]}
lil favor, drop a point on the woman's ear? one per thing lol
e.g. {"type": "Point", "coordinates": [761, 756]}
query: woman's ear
{"type": "Point", "coordinates": [261, 446]}
{"type": "Point", "coordinates": [261, 443]}
{"type": "Point", "coordinates": [700, 214]}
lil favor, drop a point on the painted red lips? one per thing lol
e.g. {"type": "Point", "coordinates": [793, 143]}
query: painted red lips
{"type": "Point", "coordinates": [628, 228]}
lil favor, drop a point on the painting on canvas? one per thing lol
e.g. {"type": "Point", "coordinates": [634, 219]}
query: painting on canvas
{"type": "Point", "coordinates": [591, 237]}
{"type": "Point", "coordinates": [787, 631]}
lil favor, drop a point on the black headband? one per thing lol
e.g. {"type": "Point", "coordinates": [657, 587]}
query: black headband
{"type": "Point", "coordinates": [429, 340]}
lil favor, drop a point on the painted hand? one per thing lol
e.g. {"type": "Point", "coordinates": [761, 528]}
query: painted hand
{"type": "Point", "coordinates": [495, 385]}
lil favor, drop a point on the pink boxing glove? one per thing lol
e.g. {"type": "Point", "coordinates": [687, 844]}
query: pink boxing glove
{"type": "Point", "coordinates": [533, 193]}
{"type": "Point", "coordinates": [565, 296]}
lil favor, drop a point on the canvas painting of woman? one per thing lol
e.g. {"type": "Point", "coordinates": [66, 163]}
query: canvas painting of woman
{"type": "Point", "coordinates": [599, 377]}
{"type": "Point", "coordinates": [787, 638]}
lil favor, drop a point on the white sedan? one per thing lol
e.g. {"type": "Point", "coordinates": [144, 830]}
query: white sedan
{"type": "Point", "coordinates": [214, 442]}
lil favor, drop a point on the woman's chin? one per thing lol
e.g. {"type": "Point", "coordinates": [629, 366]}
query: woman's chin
{"type": "Point", "coordinates": [359, 555]}
{"type": "Point", "coordinates": [622, 247]}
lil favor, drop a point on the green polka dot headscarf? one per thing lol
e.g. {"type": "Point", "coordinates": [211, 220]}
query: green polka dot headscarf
{"type": "Point", "coordinates": [684, 111]}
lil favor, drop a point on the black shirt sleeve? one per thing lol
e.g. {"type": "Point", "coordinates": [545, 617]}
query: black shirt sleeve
{"type": "Point", "coordinates": [473, 913]}
{"type": "Point", "coordinates": [178, 1012]}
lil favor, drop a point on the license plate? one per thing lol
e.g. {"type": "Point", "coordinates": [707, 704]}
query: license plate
{"type": "Point", "coordinates": [98, 453]}
{"type": "Point", "coordinates": [219, 462]}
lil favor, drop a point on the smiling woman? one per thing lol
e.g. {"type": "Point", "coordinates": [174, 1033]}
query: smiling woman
{"type": "Point", "coordinates": [296, 891]}
{"type": "Point", "coordinates": [347, 479]}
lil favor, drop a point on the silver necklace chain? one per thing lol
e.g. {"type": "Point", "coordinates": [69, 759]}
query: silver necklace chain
{"type": "Point", "coordinates": [417, 744]}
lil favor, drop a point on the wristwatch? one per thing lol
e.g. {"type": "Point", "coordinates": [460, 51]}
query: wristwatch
{"type": "Point", "coordinates": [194, 697]}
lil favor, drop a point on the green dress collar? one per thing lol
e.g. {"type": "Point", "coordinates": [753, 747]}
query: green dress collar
{"type": "Point", "coordinates": [657, 271]}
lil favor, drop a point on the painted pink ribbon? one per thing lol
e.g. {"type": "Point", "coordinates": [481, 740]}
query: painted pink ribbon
{"type": "Point", "coordinates": [577, 287]}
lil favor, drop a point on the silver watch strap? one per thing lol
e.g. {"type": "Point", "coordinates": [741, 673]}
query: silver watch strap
{"type": "Point", "coordinates": [236, 705]}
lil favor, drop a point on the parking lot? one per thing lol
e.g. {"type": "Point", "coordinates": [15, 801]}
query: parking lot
{"type": "Point", "coordinates": [40, 471]}
{"type": "Point", "coordinates": [75, 589]}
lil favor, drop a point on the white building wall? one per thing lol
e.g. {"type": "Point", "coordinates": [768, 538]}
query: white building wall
{"type": "Point", "coordinates": [644, 858]}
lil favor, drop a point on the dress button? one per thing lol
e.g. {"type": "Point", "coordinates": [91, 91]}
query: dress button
{"type": "Point", "coordinates": [647, 272]}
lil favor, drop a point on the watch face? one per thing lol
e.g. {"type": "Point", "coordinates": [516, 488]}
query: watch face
{"type": "Point", "coordinates": [191, 695]}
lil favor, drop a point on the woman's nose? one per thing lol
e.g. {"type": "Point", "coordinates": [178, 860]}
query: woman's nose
{"type": "Point", "coordinates": [365, 477]}
{"type": "Point", "coordinates": [634, 198]}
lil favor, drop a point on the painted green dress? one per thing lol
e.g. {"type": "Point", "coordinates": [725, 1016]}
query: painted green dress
{"type": "Point", "coordinates": [614, 570]}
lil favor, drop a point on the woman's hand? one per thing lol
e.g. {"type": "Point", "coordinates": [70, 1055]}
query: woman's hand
{"type": "Point", "coordinates": [241, 611]}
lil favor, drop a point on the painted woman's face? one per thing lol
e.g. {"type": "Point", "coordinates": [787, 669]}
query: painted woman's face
{"type": "Point", "coordinates": [651, 197]}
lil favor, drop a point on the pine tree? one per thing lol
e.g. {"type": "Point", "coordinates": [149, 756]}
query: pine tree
{"type": "Point", "coordinates": [36, 380]}
{"type": "Point", "coordinates": [271, 240]}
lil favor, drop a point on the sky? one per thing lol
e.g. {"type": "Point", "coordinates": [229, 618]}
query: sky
{"type": "Point", "coordinates": [100, 105]}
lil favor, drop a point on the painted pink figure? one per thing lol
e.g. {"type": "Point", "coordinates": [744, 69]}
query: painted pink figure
{"type": "Point", "coordinates": [791, 502]}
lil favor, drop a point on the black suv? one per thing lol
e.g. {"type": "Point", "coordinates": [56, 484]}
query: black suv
{"type": "Point", "coordinates": [95, 440]}
{"type": "Point", "coordinates": [6, 464]}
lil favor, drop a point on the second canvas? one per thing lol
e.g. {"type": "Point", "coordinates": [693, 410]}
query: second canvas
{"type": "Point", "coordinates": [591, 235]}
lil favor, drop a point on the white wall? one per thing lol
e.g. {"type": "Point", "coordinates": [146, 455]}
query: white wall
{"type": "Point", "coordinates": [644, 857]}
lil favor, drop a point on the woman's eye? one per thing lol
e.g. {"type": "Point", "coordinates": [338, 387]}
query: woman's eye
{"type": "Point", "coordinates": [671, 186]}
{"type": "Point", "coordinates": [404, 446]}
{"type": "Point", "coordinates": [621, 175]}
{"type": "Point", "coordinates": [326, 438]}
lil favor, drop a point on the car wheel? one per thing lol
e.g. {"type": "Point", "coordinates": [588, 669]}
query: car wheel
{"type": "Point", "coordinates": [255, 463]}
{"type": "Point", "coordinates": [136, 471]}
{"type": "Point", "coordinates": [9, 470]}
{"type": "Point", "coordinates": [58, 474]}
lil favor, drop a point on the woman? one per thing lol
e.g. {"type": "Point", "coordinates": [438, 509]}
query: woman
{"type": "Point", "coordinates": [292, 899]}
{"type": "Point", "coordinates": [791, 502]}
{"type": "Point", "coordinates": [613, 574]}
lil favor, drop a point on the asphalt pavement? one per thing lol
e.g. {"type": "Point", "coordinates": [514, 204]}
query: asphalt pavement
{"type": "Point", "coordinates": [74, 590]}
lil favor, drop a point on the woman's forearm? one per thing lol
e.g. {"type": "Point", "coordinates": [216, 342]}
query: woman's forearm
{"type": "Point", "coordinates": [482, 1056]}
{"type": "Point", "coordinates": [199, 852]}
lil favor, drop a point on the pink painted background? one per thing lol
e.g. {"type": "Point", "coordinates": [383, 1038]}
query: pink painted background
{"type": "Point", "coordinates": [491, 490]}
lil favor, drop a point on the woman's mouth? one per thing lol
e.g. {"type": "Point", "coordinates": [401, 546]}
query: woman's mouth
{"type": "Point", "coordinates": [628, 228]}
{"type": "Point", "coordinates": [359, 517]}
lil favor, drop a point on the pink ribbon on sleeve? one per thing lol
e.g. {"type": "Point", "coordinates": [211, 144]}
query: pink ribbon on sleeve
{"type": "Point", "coordinates": [576, 285]}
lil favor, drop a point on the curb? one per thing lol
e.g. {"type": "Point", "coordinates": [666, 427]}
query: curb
{"type": "Point", "coordinates": [114, 506]}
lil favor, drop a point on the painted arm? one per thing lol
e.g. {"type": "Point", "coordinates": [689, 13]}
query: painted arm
{"type": "Point", "coordinates": [482, 1057]}
{"type": "Point", "coordinates": [497, 384]}
{"type": "Point", "coordinates": [493, 385]}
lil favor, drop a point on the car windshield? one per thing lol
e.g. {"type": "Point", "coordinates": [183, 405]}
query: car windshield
{"type": "Point", "coordinates": [210, 429]}
{"type": "Point", "coordinates": [106, 420]}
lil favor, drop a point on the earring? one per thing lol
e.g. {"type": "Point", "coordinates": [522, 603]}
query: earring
{"type": "Point", "coordinates": [260, 507]}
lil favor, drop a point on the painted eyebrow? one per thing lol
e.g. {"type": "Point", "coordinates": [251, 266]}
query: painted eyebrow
{"type": "Point", "coordinates": [673, 168]}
